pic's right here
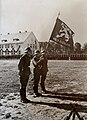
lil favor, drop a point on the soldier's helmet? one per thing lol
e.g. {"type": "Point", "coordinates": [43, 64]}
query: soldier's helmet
{"type": "Point", "coordinates": [37, 52]}
{"type": "Point", "coordinates": [27, 49]}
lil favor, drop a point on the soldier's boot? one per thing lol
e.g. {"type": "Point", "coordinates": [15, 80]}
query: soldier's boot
{"type": "Point", "coordinates": [43, 86]}
{"type": "Point", "coordinates": [23, 96]}
{"type": "Point", "coordinates": [36, 93]}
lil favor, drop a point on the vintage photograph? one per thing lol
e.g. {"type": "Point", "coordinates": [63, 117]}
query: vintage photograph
{"type": "Point", "coordinates": [43, 60]}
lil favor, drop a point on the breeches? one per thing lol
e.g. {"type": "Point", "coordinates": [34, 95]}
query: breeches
{"type": "Point", "coordinates": [43, 77]}
{"type": "Point", "coordinates": [24, 80]}
{"type": "Point", "coordinates": [36, 80]}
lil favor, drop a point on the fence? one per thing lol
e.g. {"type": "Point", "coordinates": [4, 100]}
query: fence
{"type": "Point", "coordinates": [68, 57]}
{"type": "Point", "coordinates": [52, 57]}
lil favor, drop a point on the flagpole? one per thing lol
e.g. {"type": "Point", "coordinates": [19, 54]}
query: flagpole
{"type": "Point", "coordinates": [58, 14]}
{"type": "Point", "coordinates": [49, 39]}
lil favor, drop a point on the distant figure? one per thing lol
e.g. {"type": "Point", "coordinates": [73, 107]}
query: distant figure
{"type": "Point", "coordinates": [24, 72]}
{"type": "Point", "coordinates": [36, 72]}
{"type": "Point", "coordinates": [44, 69]}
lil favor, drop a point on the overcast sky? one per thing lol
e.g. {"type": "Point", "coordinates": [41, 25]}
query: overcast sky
{"type": "Point", "coordinates": [40, 16]}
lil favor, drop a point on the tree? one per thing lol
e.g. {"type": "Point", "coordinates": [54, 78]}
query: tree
{"type": "Point", "coordinates": [85, 48]}
{"type": "Point", "coordinates": [77, 47]}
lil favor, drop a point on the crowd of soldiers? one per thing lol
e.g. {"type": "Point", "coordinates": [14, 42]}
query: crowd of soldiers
{"type": "Point", "coordinates": [39, 61]}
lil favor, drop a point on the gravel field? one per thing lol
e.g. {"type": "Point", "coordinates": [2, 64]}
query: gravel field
{"type": "Point", "coordinates": [66, 81]}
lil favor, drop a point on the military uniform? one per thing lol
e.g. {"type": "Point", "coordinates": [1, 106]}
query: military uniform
{"type": "Point", "coordinates": [43, 70]}
{"type": "Point", "coordinates": [36, 72]}
{"type": "Point", "coordinates": [24, 72]}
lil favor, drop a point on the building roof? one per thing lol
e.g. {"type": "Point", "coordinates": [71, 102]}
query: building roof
{"type": "Point", "coordinates": [14, 38]}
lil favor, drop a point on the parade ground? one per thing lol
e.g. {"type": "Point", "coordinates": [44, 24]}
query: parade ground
{"type": "Point", "coordinates": [67, 85]}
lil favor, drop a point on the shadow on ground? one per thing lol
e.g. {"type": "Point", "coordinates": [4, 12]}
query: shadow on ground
{"type": "Point", "coordinates": [65, 96]}
{"type": "Point", "coordinates": [70, 107]}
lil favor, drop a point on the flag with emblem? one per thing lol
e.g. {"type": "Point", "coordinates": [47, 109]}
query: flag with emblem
{"type": "Point", "coordinates": [62, 34]}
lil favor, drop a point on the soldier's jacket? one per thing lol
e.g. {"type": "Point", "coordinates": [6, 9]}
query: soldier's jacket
{"type": "Point", "coordinates": [34, 61]}
{"type": "Point", "coordinates": [43, 64]}
{"type": "Point", "coordinates": [24, 64]}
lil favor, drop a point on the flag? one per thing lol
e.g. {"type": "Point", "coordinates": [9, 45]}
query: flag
{"type": "Point", "coordinates": [62, 34]}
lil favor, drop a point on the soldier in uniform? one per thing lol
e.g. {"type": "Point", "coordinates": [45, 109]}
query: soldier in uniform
{"type": "Point", "coordinates": [44, 69]}
{"type": "Point", "coordinates": [24, 72]}
{"type": "Point", "coordinates": [36, 72]}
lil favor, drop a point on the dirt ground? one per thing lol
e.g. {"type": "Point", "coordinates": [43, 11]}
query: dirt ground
{"type": "Point", "coordinates": [67, 85]}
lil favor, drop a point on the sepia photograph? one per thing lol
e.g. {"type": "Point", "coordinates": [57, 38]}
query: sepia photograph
{"type": "Point", "coordinates": [43, 60]}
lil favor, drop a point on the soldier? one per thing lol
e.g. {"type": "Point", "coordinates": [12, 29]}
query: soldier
{"type": "Point", "coordinates": [44, 69]}
{"type": "Point", "coordinates": [36, 71]}
{"type": "Point", "coordinates": [24, 72]}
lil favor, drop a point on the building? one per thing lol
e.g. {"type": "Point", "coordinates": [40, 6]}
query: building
{"type": "Point", "coordinates": [14, 44]}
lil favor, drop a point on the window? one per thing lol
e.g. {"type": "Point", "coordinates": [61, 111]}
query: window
{"type": "Point", "coordinates": [7, 52]}
{"type": "Point", "coordinates": [12, 51]}
{"type": "Point", "coordinates": [4, 40]}
{"type": "Point", "coordinates": [1, 52]}
{"type": "Point", "coordinates": [2, 46]}
{"type": "Point", "coordinates": [15, 39]}
{"type": "Point", "coordinates": [5, 46]}
{"type": "Point", "coordinates": [8, 45]}
{"type": "Point", "coordinates": [11, 46]}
